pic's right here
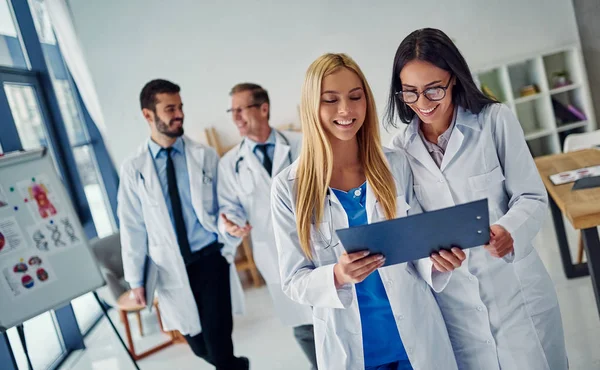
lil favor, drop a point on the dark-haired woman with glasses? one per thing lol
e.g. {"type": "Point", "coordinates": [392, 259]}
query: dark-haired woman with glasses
{"type": "Point", "coordinates": [500, 306]}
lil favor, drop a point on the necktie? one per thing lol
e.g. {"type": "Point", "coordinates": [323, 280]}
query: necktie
{"type": "Point", "coordinates": [267, 164]}
{"type": "Point", "coordinates": [180, 231]}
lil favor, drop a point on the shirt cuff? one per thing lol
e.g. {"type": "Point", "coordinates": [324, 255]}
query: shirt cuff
{"type": "Point", "coordinates": [510, 258]}
{"type": "Point", "coordinates": [136, 285]}
{"type": "Point", "coordinates": [330, 295]}
{"type": "Point", "coordinates": [435, 279]}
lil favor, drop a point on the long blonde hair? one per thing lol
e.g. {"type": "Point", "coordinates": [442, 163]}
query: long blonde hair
{"type": "Point", "coordinates": [316, 157]}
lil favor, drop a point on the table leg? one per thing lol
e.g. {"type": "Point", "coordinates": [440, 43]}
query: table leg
{"type": "Point", "coordinates": [591, 243]}
{"type": "Point", "coordinates": [571, 270]}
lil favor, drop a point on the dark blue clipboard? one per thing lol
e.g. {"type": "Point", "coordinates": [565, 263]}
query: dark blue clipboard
{"type": "Point", "coordinates": [150, 281]}
{"type": "Point", "coordinates": [417, 236]}
{"type": "Point", "coordinates": [586, 183]}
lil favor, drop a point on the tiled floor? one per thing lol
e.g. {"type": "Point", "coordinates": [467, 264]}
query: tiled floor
{"type": "Point", "coordinates": [269, 345]}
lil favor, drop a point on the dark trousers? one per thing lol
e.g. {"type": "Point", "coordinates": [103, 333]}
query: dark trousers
{"type": "Point", "coordinates": [209, 280]}
{"type": "Point", "coordinates": [305, 336]}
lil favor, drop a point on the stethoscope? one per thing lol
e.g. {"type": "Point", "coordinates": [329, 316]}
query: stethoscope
{"type": "Point", "coordinates": [330, 241]}
{"type": "Point", "coordinates": [241, 158]}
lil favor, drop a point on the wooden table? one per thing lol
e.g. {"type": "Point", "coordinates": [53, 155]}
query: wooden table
{"type": "Point", "coordinates": [582, 209]}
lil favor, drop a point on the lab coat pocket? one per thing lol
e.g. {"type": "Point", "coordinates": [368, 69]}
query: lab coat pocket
{"type": "Point", "coordinates": [491, 186]}
{"type": "Point", "coordinates": [536, 285]}
{"type": "Point", "coordinates": [168, 277]}
{"type": "Point", "coordinates": [207, 196]}
{"type": "Point", "coordinates": [147, 194]}
{"type": "Point", "coordinates": [486, 180]}
{"type": "Point", "coordinates": [323, 241]}
{"type": "Point", "coordinates": [246, 182]}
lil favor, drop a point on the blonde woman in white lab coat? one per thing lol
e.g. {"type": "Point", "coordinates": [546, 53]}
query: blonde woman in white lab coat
{"type": "Point", "coordinates": [500, 307]}
{"type": "Point", "coordinates": [365, 316]}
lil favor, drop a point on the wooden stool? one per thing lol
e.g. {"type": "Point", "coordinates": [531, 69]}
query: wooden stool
{"type": "Point", "coordinates": [126, 304]}
{"type": "Point", "coordinates": [245, 262]}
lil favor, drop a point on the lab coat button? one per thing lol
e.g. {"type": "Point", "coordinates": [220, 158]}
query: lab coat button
{"type": "Point", "coordinates": [389, 283]}
{"type": "Point", "coordinates": [488, 341]}
{"type": "Point", "coordinates": [409, 351]}
{"type": "Point", "coordinates": [471, 277]}
{"type": "Point", "coordinates": [479, 308]}
{"type": "Point", "coordinates": [400, 317]}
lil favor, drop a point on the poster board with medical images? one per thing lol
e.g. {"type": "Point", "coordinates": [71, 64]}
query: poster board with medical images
{"type": "Point", "coordinates": [45, 261]}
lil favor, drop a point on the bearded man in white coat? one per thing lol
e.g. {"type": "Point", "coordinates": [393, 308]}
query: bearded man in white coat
{"type": "Point", "coordinates": [168, 213]}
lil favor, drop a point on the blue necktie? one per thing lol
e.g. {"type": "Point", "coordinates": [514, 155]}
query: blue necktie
{"type": "Point", "coordinates": [266, 162]}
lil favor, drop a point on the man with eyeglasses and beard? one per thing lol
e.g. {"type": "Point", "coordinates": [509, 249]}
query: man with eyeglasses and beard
{"type": "Point", "coordinates": [167, 206]}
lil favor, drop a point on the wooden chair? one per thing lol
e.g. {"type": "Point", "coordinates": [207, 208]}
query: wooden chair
{"type": "Point", "coordinates": [107, 252]}
{"type": "Point", "coordinates": [244, 260]}
{"type": "Point", "coordinates": [126, 304]}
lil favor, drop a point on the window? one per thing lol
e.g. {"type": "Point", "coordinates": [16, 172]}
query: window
{"type": "Point", "coordinates": [44, 344]}
{"type": "Point", "coordinates": [74, 123]}
{"type": "Point", "coordinates": [11, 48]}
{"type": "Point", "coordinates": [26, 113]}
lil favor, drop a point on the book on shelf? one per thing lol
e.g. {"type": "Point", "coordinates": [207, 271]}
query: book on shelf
{"type": "Point", "coordinates": [563, 114]}
{"type": "Point", "coordinates": [576, 112]}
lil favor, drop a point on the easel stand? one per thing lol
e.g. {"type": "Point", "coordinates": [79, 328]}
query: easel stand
{"type": "Point", "coordinates": [115, 330]}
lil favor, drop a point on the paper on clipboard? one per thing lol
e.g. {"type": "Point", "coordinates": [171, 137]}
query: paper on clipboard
{"type": "Point", "coordinates": [574, 175]}
{"type": "Point", "coordinates": [417, 236]}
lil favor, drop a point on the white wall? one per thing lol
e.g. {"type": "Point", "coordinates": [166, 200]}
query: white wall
{"type": "Point", "coordinates": [207, 48]}
{"type": "Point", "coordinates": [587, 13]}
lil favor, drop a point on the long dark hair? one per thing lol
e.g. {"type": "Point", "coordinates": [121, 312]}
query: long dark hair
{"type": "Point", "coordinates": [433, 46]}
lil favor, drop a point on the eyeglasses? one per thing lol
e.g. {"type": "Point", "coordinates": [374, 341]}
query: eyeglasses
{"type": "Point", "coordinates": [433, 94]}
{"type": "Point", "coordinates": [239, 110]}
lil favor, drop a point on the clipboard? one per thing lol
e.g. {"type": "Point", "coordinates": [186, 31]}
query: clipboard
{"type": "Point", "coordinates": [586, 183]}
{"type": "Point", "coordinates": [150, 280]}
{"type": "Point", "coordinates": [417, 236]}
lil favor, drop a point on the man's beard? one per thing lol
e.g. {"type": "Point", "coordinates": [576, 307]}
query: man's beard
{"type": "Point", "coordinates": [165, 129]}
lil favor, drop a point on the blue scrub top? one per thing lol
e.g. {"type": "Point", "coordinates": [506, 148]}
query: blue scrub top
{"type": "Point", "coordinates": [381, 341]}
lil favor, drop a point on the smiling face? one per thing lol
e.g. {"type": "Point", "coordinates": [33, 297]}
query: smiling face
{"type": "Point", "coordinates": [167, 117]}
{"type": "Point", "coordinates": [343, 105]}
{"type": "Point", "coordinates": [249, 117]}
{"type": "Point", "coordinates": [418, 77]}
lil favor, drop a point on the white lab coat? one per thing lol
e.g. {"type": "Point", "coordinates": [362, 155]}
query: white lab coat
{"type": "Point", "coordinates": [146, 229]}
{"type": "Point", "coordinates": [500, 313]}
{"type": "Point", "coordinates": [338, 332]}
{"type": "Point", "coordinates": [246, 196]}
